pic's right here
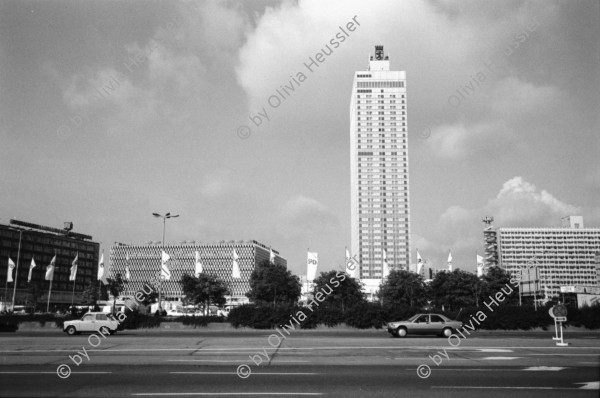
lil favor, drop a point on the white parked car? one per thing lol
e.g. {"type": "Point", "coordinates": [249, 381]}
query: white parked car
{"type": "Point", "coordinates": [92, 322]}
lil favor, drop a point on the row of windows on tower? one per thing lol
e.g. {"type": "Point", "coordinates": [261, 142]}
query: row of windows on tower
{"type": "Point", "coordinates": [372, 220]}
{"type": "Point", "coordinates": [376, 195]}
{"type": "Point", "coordinates": [391, 231]}
{"type": "Point", "coordinates": [390, 222]}
{"type": "Point", "coordinates": [384, 163]}
{"type": "Point", "coordinates": [382, 199]}
{"type": "Point", "coordinates": [393, 167]}
{"type": "Point", "coordinates": [376, 180]}
{"type": "Point", "coordinates": [377, 171]}
{"type": "Point", "coordinates": [373, 181]}
{"type": "Point", "coordinates": [369, 211]}
{"type": "Point", "coordinates": [382, 113]}
{"type": "Point", "coordinates": [372, 205]}
{"type": "Point", "coordinates": [383, 118]}
{"type": "Point", "coordinates": [383, 135]}
{"type": "Point", "coordinates": [380, 101]}
{"type": "Point", "coordinates": [382, 129]}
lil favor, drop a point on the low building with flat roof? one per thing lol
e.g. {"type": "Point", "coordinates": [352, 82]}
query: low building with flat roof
{"type": "Point", "coordinates": [562, 256]}
{"type": "Point", "coordinates": [144, 263]}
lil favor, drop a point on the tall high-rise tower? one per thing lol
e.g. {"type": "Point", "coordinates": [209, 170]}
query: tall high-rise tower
{"type": "Point", "coordinates": [379, 168]}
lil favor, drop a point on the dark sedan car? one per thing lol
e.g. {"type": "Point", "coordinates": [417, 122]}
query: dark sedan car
{"type": "Point", "coordinates": [424, 324]}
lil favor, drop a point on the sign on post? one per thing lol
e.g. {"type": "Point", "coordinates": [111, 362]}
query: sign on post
{"type": "Point", "coordinates": [559, 313]}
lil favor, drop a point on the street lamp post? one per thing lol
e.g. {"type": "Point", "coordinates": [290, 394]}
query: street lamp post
{"type": "Point", "coordinates": [168, 215]}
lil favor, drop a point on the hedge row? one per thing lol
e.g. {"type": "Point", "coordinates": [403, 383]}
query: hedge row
{"type": "Point", "coordinates": [362, 316]}
{"type": "Point", "coordinates": [373, 315]}
{"type": "Point", "coordinates": [134, 320]}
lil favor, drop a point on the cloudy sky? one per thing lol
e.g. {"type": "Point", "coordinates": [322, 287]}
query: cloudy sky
{"type": "Point", "coordinates": [113, 110]}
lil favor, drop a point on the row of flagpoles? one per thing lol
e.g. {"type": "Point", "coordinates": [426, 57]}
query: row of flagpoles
{"type": "Point", "coordinates": [312, 261]}
{"type": "Point", "coordinates": [165, 274]}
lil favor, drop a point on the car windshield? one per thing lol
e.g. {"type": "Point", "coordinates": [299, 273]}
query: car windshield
{"type": "Point", "coordinates": [111, 317]}
{"type": "Point", "coordinates": [412, 318]}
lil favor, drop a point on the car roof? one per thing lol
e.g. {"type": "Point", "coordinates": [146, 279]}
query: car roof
{"type": "Point", "coordinates": [431, 313]}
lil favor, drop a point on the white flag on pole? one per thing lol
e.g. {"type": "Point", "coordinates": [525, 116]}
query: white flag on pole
{"type": "Point", "coordinates": [102, 271]}
{"type": "Point", "coordinates": [101, 268]}
{"type": "Point", "coordinates": [351, 265]}
{"type": "Point", "coordinates": [127, 272]}
{"type": "Point", "coordinates": [31, 267]}
{"type": "Point", "coordinates": [73, 274]}
{"type": "Point", "coordinates": [235, 271]}
{"type": "Point", "coordinates": [50, 269]}
{"type": "Point", "coordinates": [198, 264]}
{"type": "Point", "coordinates": [271, 256]}
{"type": "Point", "coordinates": [386, 267]}
{"type": "Point", "coordinates": [165, 272]}
{"type": "Point", "coordinates": [479, 266]}
{"type": "Point", "coordinates": [11, 267]}
{"type": "Point", "coordinates": [419, 262]}
{"type": "Point", "coordinates": [312, 262]}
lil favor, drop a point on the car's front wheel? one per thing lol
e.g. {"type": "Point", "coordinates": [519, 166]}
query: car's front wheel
{"type": "Point", "coordinates": [401, 332]}
{"type": "Point", "coordinates": [71, 330]}
{"type": "Point", "coordinates": [447, 332]}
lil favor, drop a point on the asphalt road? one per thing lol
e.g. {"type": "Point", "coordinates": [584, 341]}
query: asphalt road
{"type": "Point", "coordinates": [334, 364]}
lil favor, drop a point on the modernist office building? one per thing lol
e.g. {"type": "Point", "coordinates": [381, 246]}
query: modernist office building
{"type": "Point", "coordinates": [144, 262]}
{"type": "Point", "coordinates": [563, 256]}
{"type": "Point", "coordinates": [22, 241]}
{"type": "Point", "coordinates": [379, 168]}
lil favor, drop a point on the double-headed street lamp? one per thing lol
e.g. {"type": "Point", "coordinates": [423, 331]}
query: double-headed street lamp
{"type": "Point", "coordinates": [168, 215]}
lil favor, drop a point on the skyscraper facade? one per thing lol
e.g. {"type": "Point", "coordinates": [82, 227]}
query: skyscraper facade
{"type": "Point", "coordinates": [380, 214]}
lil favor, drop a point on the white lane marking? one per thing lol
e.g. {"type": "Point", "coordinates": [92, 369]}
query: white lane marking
{"type": "Point", "coordinates": [592, 385]}
{"type": "Point", "coordinates": [571, 355]}
{"type": "Point", "coordinates": [253, 373]}
{"type": "Point", "coordinates": [500, 358]}
{"type": "Point", "coordinates": [231, 360]}
{"type": "Point", "coordinates": [42, 373]}
{"type": "Point", "coordinates": [493, 350]}
{"type": "Point", "coordinates": [475, 370]}
{"type": "Point", "coordinates": [505, 388]}
{"type": "Point", "coordinates": [221, 394]}
{"type": "Point", "coordinates": [544, 368]}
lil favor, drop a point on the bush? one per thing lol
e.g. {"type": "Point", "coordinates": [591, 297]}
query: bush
{"type": "Point", "coordinates": [365, 316]}
{"type": "Point", "coordinates": [588, 317]}
{"type": "Point", "coordinates": [199, 320]}
{"type": "Point", "coordinates": [269, 317]}
{"type": "Point", "coordinates": [136, 320]}
{"type": "Point", "coordinates": [393, 313]}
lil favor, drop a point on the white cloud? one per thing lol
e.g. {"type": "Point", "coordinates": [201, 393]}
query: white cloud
{"type": "Point", "coordinates": [478, 140]}
{"type": "Point", "coordinates": [304, 214]}
{"type": "Point", "coordinates": [520, 203]}
{"type": "Point", "coordinates": [216, 183]}
{"type": "Point", "coordinates": [513, 96]}
{"type": "Point", "coordinates": [517, 204]}
{"type": "Point", "coordinates": [167, 78]}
